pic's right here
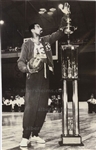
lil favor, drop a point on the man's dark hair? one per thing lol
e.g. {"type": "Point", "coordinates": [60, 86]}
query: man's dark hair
{"type": "Point", "coordinates": [32, 26]}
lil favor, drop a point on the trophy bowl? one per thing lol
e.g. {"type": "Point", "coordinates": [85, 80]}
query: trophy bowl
{"type": "Point", "coordinates": [69, 29]}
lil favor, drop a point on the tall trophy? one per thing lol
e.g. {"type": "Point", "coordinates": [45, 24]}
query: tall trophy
{"type": "Point", "coordinates": [69, 61]}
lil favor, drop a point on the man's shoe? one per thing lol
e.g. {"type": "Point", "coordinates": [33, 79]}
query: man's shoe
{"type": "Point", "coordinates": [37, 139]}
{"type": "Point", "coordinates": [24, 143]}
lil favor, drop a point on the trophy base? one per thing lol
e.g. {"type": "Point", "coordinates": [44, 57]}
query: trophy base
{"type": "Point", "coordinates": [71, 140]}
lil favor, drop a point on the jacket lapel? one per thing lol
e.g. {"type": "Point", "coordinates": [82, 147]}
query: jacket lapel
{"type": "Point", "coordinates": [48, 51]}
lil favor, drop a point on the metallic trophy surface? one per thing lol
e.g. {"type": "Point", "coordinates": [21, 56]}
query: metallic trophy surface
{"type": "Point", "coordinates": [69, 64]}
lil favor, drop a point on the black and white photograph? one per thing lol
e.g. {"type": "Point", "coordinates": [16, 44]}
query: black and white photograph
{"type": "Point", "coordinates": [48, 74]}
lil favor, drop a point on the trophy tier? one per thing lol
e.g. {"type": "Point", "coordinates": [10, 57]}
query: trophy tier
{"type": "Point", "coordinates": [69, 61]}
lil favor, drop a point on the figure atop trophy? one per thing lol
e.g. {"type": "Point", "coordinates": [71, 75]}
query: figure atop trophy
{"type": "Point", "coordinates": [69, 53]}
{"type": "Point", "coordinates": [69, 29]}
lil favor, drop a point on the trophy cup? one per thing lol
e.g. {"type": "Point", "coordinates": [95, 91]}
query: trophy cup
{"type": "Point", "coordinates": [69, 61]}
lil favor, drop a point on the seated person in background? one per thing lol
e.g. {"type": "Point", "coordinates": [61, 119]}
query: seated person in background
{"type": "Point", "coordinates": [22, 101]}
{"type": "Point", "coordinates": [3, 99]}
{"type": "Point", "coordinates": [53, 98]}
{"type": "Point", "coordinates": [7, 102]}
{"type": "Point", "coordinates": [16, 104]}
{"type": "Point", "coordinates": [12, 102]}
{"type": "Point", "coordinates": [59, 103]}
{"type": "Point", "coordinates": [91, 104]}
{"type": "Point", "coordinates": [92, 99]}
{"type": "Point", "coordinates": [49, 104]}
{"type": "Point", "coordinates": [8, 106]}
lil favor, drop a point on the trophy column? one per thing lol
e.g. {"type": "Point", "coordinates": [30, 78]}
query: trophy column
{"type": "Point", "coordinates": [70, 123]}
{"type": "Point", "coordinates": [65, 110]}
{"type": "Point", "coordinates": [75, 109]}
{"type": "Point", "coordinates": [69, 64]}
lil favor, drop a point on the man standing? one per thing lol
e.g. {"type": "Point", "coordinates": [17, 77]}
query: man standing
{"type": "Point", "coordinates": [36, 61]}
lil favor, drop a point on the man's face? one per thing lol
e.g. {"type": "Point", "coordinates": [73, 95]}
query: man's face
{"type": "Point", "coordinates": [37, 29]}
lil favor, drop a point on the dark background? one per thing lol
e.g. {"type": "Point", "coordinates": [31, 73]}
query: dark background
{"type": "Point", "coordinates": [18, 15]}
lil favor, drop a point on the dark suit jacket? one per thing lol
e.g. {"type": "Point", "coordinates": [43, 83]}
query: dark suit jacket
{"type": "Point", "coordinates": [27, 50]}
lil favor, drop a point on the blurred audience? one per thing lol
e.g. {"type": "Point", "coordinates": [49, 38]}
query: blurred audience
{"type": "Point", "coordinates": [17, 103]}
{"type": "Point", "coordinates": [13, 104]}
{"type": "Point", "coordinates": [55, 104]}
